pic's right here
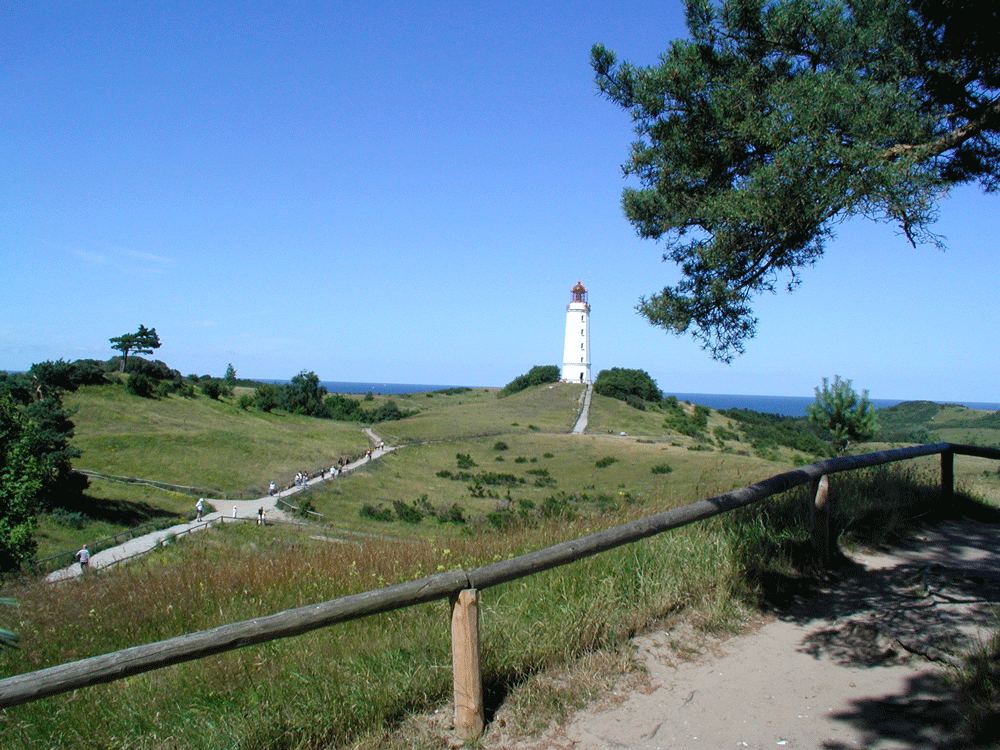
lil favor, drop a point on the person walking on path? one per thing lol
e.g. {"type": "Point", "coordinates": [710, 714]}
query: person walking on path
{"type": "Point", "coordinates": [84, 557]}
{"type": "Point", "coordinates": [200, 507]}
{"type": "Point", "coordinates": [260, 516]}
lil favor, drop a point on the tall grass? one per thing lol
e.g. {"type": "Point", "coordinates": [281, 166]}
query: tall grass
{"type": "Point", "coordinates": [329, 687]}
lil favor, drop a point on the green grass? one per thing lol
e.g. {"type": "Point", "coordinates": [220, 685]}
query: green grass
{"type": "Point", "coordinates": [478, 413]}
{"type": "Point", "coordinates": [108, 508]}
{"type": "Point", "coordinates": [202, 443]}
{"type": "Point", "coordinates": [924, 421]}
{"type": "Point", "coordinates": [332, 687]}
{"type": "Point", "coordinates": [573, 468]}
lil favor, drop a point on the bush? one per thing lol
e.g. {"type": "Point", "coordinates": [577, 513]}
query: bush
{"type": "Point", "coordinates": [662, 469]}
{"type": "Point", "coordinates": [387, 412]}
{"type": "Point", "coordinates": [267, 397]}
{"type": "Point", "coordinates": [215, 389]}
{"type": "Point", "coordinates": [164, 388]}
{"type": "Point", "coordinates": [603, 463]}
{"type": "Point", "coordinates": [71, 518]}
{"type": "Point", "coordinates": [245, 401]}
{"type": "Point", "coordinates": [677, 419]}
{"type": "Point", "coordinates": [344, 408]}
{"type": "Point", "coordinates": [153, 368]}
{"type": "Point", "coordinates": [500, 445]}
{"type": "Point", "coordinates": [407, 513]}
{"type": "Point", "coordinates": [140, 385]}
{"type": "Point", "coordinates": [620, 382]}
{"type": "Point", "coordinates": [769, 430]}
{"type": "Point", "coordinates": [375, 513]}
{"type": "Point", "coordinates": [537, 375]}
{"type": "Point", "coordinates": [450, 514]}
{"type": "Point", "coordinates": [464, 461]}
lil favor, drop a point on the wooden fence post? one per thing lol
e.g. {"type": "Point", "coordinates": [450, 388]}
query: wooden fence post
{"type": "Point", "coordinates": [470, 716]}
{"type": "Point", "coordinates": [948, 475]}
{"type": "Point", "coordinates": [820, 516]}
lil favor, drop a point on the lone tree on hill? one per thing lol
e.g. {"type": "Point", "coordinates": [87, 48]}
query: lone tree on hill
{"type": "Point", "coordinates": [839, 410]}
{"type": "Point", "coordinates": [143, 341]}
{"type": "Point", "coordinates": [778, 118]}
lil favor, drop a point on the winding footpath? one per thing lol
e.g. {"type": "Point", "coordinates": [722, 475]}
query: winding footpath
{"type": "Point", "coordinates": [228, 509]}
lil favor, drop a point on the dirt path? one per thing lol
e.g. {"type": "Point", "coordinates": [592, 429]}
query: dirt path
{"type": "Point", "coordinates": [227, 508]}
{"type": "Point", "coordinates": [860, 665]}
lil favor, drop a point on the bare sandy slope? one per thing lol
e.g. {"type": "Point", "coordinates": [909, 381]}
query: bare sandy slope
{"type": "Point", "coordinates": [861, 665]}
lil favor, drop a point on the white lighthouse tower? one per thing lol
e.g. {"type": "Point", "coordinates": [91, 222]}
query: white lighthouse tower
{"type": "Point", "coordinates": [576, 348]}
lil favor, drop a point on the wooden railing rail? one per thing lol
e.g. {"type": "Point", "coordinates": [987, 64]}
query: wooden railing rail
{"type": "Point", "coordinates": [137, 659]}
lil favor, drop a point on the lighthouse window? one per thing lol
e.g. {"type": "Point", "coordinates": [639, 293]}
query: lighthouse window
{"type": "Point", "coordinates": [581, 346]}
{"type": "Point", "coordinates": [581, 360]}
{"type": "Point", "coordinates": [581, 318]}
{"type": "Point", "coordinates": [581, 331]}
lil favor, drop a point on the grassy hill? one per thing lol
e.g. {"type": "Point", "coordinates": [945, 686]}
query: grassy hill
{"type": "Point", "coordinates": [350, 685]}
{"type": "Point", "coordinates": [201, 442]}
{"type": "Point", "coordinates": [925, 421]}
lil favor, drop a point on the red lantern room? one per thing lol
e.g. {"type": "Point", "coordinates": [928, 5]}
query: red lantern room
{"type": "Point", "coordinates": [579, 292]}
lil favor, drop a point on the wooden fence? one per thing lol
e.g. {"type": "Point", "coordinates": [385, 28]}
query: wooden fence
{"type": "Point", "coordinates": [462, 588]}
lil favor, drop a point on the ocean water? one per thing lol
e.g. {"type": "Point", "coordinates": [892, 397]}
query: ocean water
{"type": "Point", "coordinates": [382, 389]}
{"type": "Point", "coordinates": [795, 406]}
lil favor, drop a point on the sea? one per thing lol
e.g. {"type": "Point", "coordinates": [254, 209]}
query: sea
{"type": "Point", "coordinates": [787, 406]}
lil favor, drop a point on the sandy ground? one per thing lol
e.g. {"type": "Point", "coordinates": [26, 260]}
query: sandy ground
{"type": "Point", "coordinates": [860, 664]}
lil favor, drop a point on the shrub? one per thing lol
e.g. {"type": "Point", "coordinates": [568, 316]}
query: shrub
{"type": "Point", "coordinates": [386, 412]}
{"type": "Point", "coordinates": [662, 469]}
{"type": "Point", "coordinates": [245, 401]}
{"type": "Point", "coordinates": [723, 433]}
{"type": "Point", "coordinates": [140, 385]}
{"type": "Point", "coordinates": [164, 388]}
{"type": "Point", "coordinates": [267, 397]}
{"type": "Point", "coordinates": [621, 382]}
{"type": "Point", "coordinates": [500, 519]}
{"type": "Point", "coordinates": [603, 463]}
{"type": "Point", "coordinates": [533, 428]}
{"type": "Point", "coordinates": [214, 389]}
{"type": "Point", "coordinates": [537, 375]}
{"type": "Point", "coordinates": [500, 445]}
{"type": "Point", "coordinates": [153, 368]}
{"type": "Point", "coordinates": [406, 512]}
{"type": "Point", "coordinates": [71, 518]}
{"type": "Point", "coordinates": [375, 513]}
{"type": "Point", "coordinates": [344, 408]}
{"type": "Point", "coordinates": [464, 461]}
{"type": "Point", "coordinates": [520, 460]}
{"type": "Point", "coordinates": [547, 455]}
{"type": "Point", "coordinates": [771, 429]}
{"type": "Point", "coordinates": [498, 458]}
{"type": "Point", "coordinates": [450, 514]}
{"type": "Point", "coordinates": [677, 418]}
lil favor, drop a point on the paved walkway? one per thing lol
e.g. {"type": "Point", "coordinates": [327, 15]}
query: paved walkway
{"type": "Point", "coordinates": [859, 665]}
{"type": "Point", "coordinates": [225, 509]}
{"type": "Point", "coordinates": [581, 423]}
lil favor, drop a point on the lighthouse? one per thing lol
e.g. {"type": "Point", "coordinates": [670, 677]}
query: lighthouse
{"type": "Point", "coordinates": [576, 348]}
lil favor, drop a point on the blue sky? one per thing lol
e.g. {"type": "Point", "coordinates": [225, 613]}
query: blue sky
{"type": "Point", "coordinates": [404, 192]}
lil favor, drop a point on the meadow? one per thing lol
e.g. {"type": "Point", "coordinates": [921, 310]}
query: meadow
{"type": "Point", "coordinates": [355, 685]}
